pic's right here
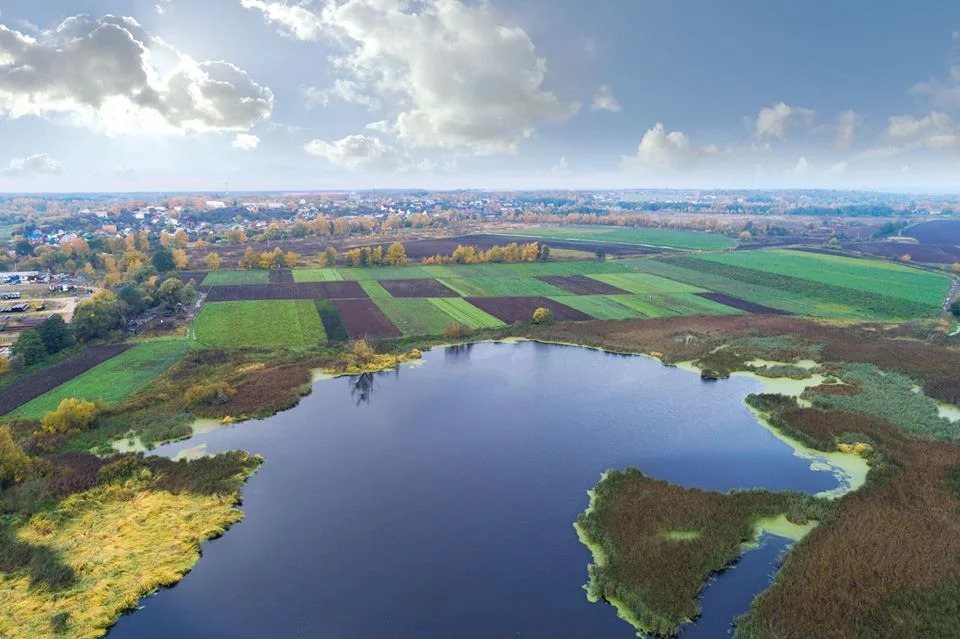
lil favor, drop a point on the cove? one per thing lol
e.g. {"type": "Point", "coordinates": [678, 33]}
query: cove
{"type": "Point", "coordinates": [438, 500]}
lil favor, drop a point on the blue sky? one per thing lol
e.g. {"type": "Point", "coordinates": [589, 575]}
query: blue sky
{"type": "Point", "coordinates": [329, 94]}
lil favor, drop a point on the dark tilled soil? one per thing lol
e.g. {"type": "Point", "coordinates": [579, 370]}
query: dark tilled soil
{"type": "Point", "coordinates": [417, 288]}
{"type": "Point", "coordinates": [520, 309]}
{"type": "Point", "coordinates": [282, 276]}
{"type": "Point", "coordinates": [581, 285]}
{"type": "Point", "coordinates": [362, 318]}
{"type": "Point", "coordinates": [38, 383]}
{"type": "Point", "coordinates": [294, 291]}
{"type": "Point", "coordinates": [743, 305]}
{"type": "Point", "coordinates": [936, 232]}
{"type": "Point", "coordinates": [929, 253]}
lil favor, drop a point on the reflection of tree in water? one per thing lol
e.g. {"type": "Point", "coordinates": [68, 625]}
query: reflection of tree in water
{"type": "Point", "coordinates": [362, 388]}
{"type": "Point", "coordinates": [457, 351]}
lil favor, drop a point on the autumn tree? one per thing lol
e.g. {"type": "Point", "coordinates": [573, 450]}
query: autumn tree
{"type": "Point", "coordinates": [290, 259]}
{"type": "Point", "coordinates": [331, 255]}
{"type": "Point", "coordinates": [396, 254]}
{"type": "Point", "coordinates": [180, 239]}
{"type": "Point", "coordinates": [250, 258]}
{"type": "Point", "coordinates": [212, 261]}
{"type": "Point", "coordinates": [543, 315]}
{"type": "Point", "coordinates": [180, 259]}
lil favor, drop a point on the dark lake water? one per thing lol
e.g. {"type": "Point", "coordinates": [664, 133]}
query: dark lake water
{"type": "Point", "coordinates": [439, 503]}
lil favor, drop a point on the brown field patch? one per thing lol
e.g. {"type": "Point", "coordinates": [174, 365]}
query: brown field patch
{"type": "Point", "coordinates": [417, 288]}
{"type": "Point", "coordinates": [294, 291]}
{"type": "Point", "coordinates": [281, 276]}
{"type": "Point", "coordinates": [743, 305]}
{"type": "Point", "coordinates": [513, 310]}
{"type": "Point", "coordinates": [362, 319]}
{"type": "Point", "coordinates": [48, 378]}
{"type": "Point", "coordinates": [582, 285]}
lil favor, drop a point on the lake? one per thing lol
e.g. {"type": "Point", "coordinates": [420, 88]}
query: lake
{"type": "Point", "coordinates": [438, 500]}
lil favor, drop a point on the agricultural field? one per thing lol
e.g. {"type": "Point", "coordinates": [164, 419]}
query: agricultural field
{"type": "Point", "coordinates": [49, 377]}
{"type": "Point", "coordinates": [362, 318]}
{"type": "Point", "coordinates": [513, 310]}
{"type": "Point", "coordinates": [217, 278]}
{"type": "Point", "coordinates": [688, 240]}
{"type": "Point", "coordinates": [604, 307]}
{"type": "Point", "coordinates": [581, 285]}
{"type": "Point", "coordinates": [673, 305]}
{"type": "Point", "coordinates": [872, 276]}
{"type": "Point", "coordinates": [317, 275]}
{"type": "Point", "coordinates": [290, 291]}
{"type": "Point", "coordinates": [645, 283]}
{"type": "Point", "coordinates": [114, 380]}
{"type": "Point", "coordinates": [502, 287]}
{"type": "Point", "coordinates": [432, 316]}
{"type": "Point", "coordinates": [259, 324]}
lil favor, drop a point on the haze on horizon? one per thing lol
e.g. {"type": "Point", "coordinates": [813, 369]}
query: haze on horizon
{"type": "Point", "coordinates": [171, 95]}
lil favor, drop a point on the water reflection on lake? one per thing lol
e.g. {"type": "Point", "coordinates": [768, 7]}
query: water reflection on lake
{"type": "Point", "coordinates": [438, 501]}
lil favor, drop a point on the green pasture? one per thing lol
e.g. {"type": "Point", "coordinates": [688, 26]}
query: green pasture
{"type": "Point", "coordinates": [259, 324]}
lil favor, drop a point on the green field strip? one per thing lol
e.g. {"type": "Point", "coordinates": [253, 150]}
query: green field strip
{"type": "Point", "coordinates": [645, 283]}
{"type": "Point", "coordinates": [383, 273]}
{"type": "Point", "coordinates": [259, 324]}
{"type": "Point", "coordinates": [484, 286]}
{"type": "Point", "coordinates": [414, 315]}
{"type": "Point", "coordinates": [214, 278]}
{"type": "Point", "coordinates": [673, 305]}
{"type": "Point", "coordinates": [114, 380]}
{"type": "Point", "coordinates": [461, 311]}
{"type": "Point", "coordinates": [871, 305]}
{"type": "Point", "coordinates": [316, 275]}
{"type": "Point", "coordinates": [775, 298]}
{"type": "Point", "coordinates": [373, 288]}
{"type": "Point", "coordinates": [603, 307]}
{"type": "Point", "coordinates": [873, 276]}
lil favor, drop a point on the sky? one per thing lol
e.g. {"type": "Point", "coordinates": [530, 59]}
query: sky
{"type": "Point", "coordinates": [220, 95]}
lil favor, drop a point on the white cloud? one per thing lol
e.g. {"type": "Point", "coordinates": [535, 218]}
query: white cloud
{"type": "Point", "coordinates": [294, 20]}
{"type": "Point", "coordinates": [774, 121]}
{"type": "Point", "coordinates": [561, 166]}
{"type": "Point", "coordinates": [245, 142]}
{"type": "Point", "coordinates": [39, 164]}
{"type": "Point", "coordinates": [604, 100]}
{"type": "Point", "coordinates": [803, 167]}
{"type": "Point", "coordinates": [846, 129]}
{"type": "Point", "coordinates": [454, 74]}
{"type": "Point", "coordinates": [380, 126]}
{"type": "Point", "coordinates": [665, 151]}
{"type": "Point", "coordinates": [110, 75]}
{"type": "Point", "coordinates": [358, 152]}
{"type": "Point", "coordinates": [162, 6]}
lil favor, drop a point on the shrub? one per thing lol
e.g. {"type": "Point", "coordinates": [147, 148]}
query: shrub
{"type": "Point", "coordinates": [55, 334]}
{"type": "Point", "coordinates": [362, 351]}
{"type": "Point", "coordinates": [73, 416]}
{"type": "Point", "coordinates": [60, 623]}
{"type": "Point", "coordinates": [209, 394]}
{"type": "Point", "coordinates": [543, 316]}
{"type": "Point", "coordinates": [458, 330]}
{"type": "Point", "coordinates": [15, 465]}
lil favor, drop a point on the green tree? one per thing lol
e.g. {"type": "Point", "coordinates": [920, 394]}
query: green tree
{"type": "Point", "coordinates": [163, 260]}
{"type": "Point", "coordinates": [55, 334]}
{"type": "Point", "coordinates": [30, 345]}
{"type": "Point", "coordinates": [97, 316]}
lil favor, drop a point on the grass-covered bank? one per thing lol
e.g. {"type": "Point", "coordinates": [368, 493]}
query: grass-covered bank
{"type": "Point", "coordinates": [656, 544]}
{"type": "Point", "coordinates": [83, 539]}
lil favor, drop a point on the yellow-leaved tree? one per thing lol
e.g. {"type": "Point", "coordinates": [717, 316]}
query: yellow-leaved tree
{"type": "Point", "coordinates": [71, 417]}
